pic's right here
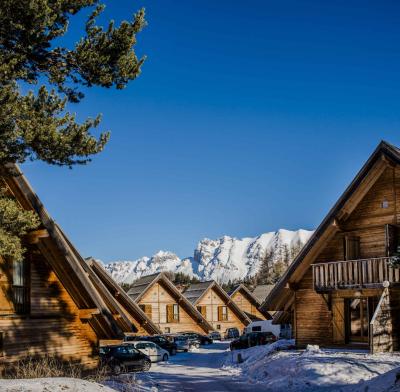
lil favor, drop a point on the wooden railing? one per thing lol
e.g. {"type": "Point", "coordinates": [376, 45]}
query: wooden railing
{"type": "Point", "coordinates": [354, 274]}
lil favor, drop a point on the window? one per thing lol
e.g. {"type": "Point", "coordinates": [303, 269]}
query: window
{"type": "Point", "coordinates": [218, 326]}
{"type": "Point", "coordinates": [222, 313]}
{"type": "Point", "coordinates": [147, 309]}
{"type": "Point", "coordinates": [203, 310]}
{"type": "Point", "coordinates": [392, 236]}
{"type": "Point", "coordinates": [21, 289]}
{"type": "Point", "coordinates": [257, 328]}
{"type": "Point", "coordinates": [173, 313]}
{"type": "Point", "coordinates": [167, 329]}
{"type": "Point", "coordinates": [351, 248]}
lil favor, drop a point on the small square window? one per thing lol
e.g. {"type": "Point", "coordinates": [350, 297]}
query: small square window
{"type": "Point", "coordinates": [218, 326]}
{"type": "Point", "coordinates": [167, 330]}
{"type": "Point", "coordinates": [385, 203]}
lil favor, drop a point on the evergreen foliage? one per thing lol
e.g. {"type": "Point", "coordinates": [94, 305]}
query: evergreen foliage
{"type": "Point", "coordinates": [37, 125]}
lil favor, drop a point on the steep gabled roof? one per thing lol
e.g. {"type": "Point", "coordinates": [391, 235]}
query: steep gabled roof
{"type": "Point", "coordinates": [262, 290]}
{"type": "Point", "coordinates": [252, 298]}
{"type": "Point", "coordinates": [141, 286]}
{"type": "Point", "coordinates": [385, 155]}
{"type": "Point", "coordinates": [111, 288]}
{"type": "Point", "coordinates": [64, 259]}
{"type": "Point", "coordinates": [196, 291]}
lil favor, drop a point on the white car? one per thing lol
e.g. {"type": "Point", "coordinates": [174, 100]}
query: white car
{"type": "Point", "coordinates": [152, 350]}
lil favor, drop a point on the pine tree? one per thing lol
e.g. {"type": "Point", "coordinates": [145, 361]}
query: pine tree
{"type": "Point", "coordinates": [37, 125]}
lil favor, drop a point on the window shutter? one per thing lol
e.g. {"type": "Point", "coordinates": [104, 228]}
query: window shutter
{"type": "Point", "coordinates": [219, 313]}
{"type": "Point", "coordinates": [148, 310]}
{"type": "Point", "coordinates": [169, 313]}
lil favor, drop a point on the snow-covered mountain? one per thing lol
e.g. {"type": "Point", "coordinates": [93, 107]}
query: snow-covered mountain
{"type": "Point", "coordinates": [225, 259]}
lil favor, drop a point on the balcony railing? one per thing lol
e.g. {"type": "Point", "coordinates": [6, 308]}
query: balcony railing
{"type": "Point", "coordinates": [354, 274]}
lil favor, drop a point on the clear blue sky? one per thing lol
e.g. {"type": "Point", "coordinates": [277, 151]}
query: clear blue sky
{"type": "Point", "coordinates": [248, 117]}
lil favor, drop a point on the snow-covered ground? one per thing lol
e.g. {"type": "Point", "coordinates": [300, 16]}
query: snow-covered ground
{"type": "Point", "coordinates": [223, 259]}
{"type": "Point", "coordinates": [274, 368]}
{"type": "Point", "coordinates": [52, 385]}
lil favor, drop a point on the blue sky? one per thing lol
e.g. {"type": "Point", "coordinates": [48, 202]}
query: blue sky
{"type": "Point", "coordinates": [248, 117]}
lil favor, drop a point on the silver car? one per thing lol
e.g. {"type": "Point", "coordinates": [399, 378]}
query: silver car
{"type": "Point", "coordinates": [182, 342]}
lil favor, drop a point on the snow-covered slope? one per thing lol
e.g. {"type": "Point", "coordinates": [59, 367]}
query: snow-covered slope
{"type": "Point", "coordinates": [224, 259]}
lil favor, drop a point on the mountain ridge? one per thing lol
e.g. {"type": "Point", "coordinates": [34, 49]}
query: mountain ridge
{"type": "Point", "coordinates": [223, 259]}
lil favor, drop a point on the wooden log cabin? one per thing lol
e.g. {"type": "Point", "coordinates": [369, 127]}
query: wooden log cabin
{"type": "Point", "coordinates": [216, 306]}
{"type": "Point", "coordinates": [48, 304]}
{"type": "Point", "coordinates": [165, 305]}
{"type": "Point", "coordinates": [248, 303]}
{"type": "Point", "coordinates": [342, 290]}
{"type": "Point", "coordinates": [109, 289]}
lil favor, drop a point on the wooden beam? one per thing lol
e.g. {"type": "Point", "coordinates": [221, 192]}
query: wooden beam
{"type": "Point", "coordinates": [366, 184]}
{"type": "Point", "coordinates": [34, 236]}
{"type": "Point", "coordinates": [87, 314]}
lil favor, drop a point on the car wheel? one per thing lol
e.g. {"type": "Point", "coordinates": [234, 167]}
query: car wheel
{"type": "Point", "coordinates": [185, 350]}
{"type": "Point", "coordinates": [165, 357]}
{"type": "Point", "coordinates": [117, 369]}
{"type": "Point", "coordinates": [146, 366]}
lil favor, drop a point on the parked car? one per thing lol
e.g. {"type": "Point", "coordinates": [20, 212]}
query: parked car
{"type": "Point", "coordinates": [182, 342]}
{"type": "Point", "coordinates": [202, 339]}
{"type": "Point", "coordinates": [214, 335]}
{"type": "Point", "coordinates": [152, 350]}
{"type": "Point", "coordinates": [161, 341]}
{"type": "Point", "coordinates": [252, 339]}
{"type": "Point", "coordinates": [123, 358]}
{"type": "Point", "coordinates": [231, 333]}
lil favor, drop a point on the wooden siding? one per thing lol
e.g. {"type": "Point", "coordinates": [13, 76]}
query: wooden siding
{"type": "Point", "coordinates": [212, 301]}
{"type": "Point", "coordinates": [52, 327]}
{"type": "Point", "coordinates": [317, 319]}
{"type": "Point", "coordinates": [246, 306]}
{"type": "Point", "coordinates": [159, 299]}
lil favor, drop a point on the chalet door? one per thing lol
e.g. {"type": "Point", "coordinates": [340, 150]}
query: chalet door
{"type": "Point", "coordinates": [359, 312]}
{"type": "Point", "coordinates": [358, 320]}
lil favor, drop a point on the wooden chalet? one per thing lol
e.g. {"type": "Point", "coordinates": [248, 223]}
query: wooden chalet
{"type": "Point", "coordinates": [48, 303]}
{"type": "Point", "coordinates": [130, 309]}
{"type": "Point", "coordinates": [342, 288]}
{"type": "Point", "coordinates": [165, 305]}
{"type": "Point", "coordinates": [248, 303]}
{"type": "Point", "coordinates": [216, 306]}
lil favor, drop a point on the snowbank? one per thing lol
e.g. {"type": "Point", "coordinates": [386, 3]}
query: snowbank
{"type": "Point", "coordinates": [313, 369]}
{"type": "Point", "coordinates": [52, 384]}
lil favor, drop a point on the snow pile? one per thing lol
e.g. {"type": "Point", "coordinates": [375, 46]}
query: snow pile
{"type": "Point", "coordinates": [314, 369]}
{"type": "Point", "coordinates": [223, 259]}
{"type": "Point", "coordinates": [56, 384]}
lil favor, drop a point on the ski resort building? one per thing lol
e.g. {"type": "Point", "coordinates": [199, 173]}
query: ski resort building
{"type": "Point", "coordinates": [248, 303]}
{"type": "Point", "coordinates": [112, 292]}
{"type": "Point", "coordinates": [165, 305]}
{"type": "Point", "coordinates": [216, 306]}
{"type": "Point", "coordinates": [343, 289]}
{"type": "Point", "coordinates": [48, 303]}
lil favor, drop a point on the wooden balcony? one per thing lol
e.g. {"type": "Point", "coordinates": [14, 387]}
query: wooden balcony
{"type": "Point", "coordinates": [354, 274]}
